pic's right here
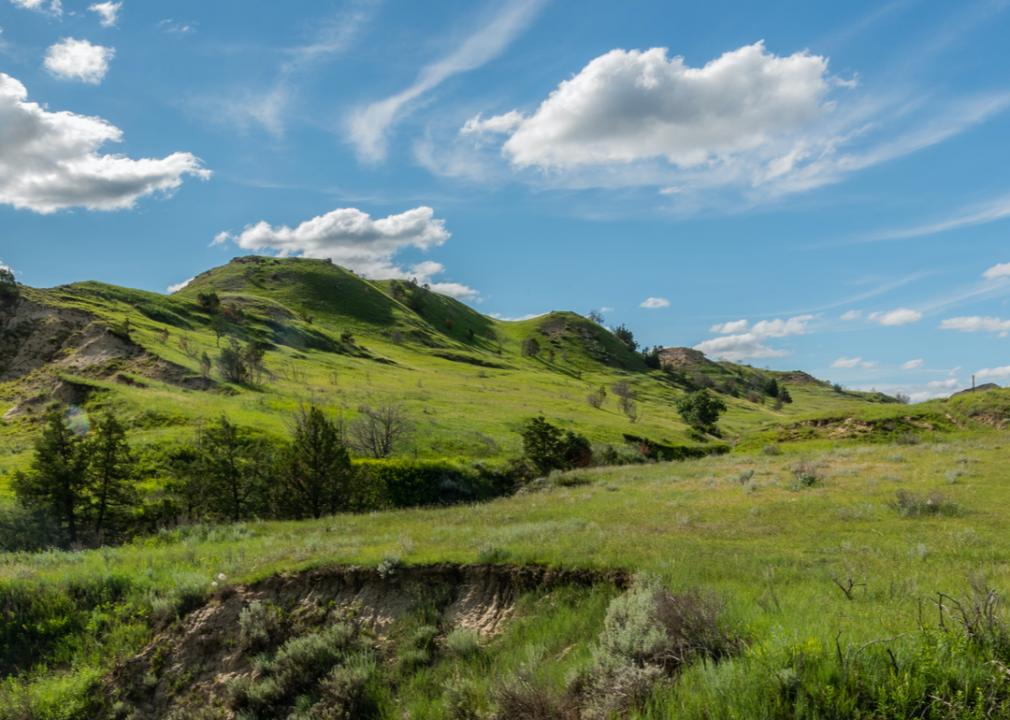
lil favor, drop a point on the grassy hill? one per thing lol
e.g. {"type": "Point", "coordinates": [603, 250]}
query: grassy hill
{"type": "Point", "coordinates": [340, 341]}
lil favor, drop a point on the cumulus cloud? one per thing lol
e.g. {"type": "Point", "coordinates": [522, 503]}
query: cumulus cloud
{"type": "Point", "coordinates": [52, 7]}
{"type": "Point", "coordinates": [853, 362]}
{"type": "Point", "coordinates": [51, 161]}
{"type": "Point", "coordinates": [655, 303]}
{"type": "Point", "coordinates": [913, 364]}
{"type": "Point", "coordinates": [368, 126]}
{"type": "Point", "coordinates": [353, 239]}
{"type": "Point", "coordinates": [626, 106]}
{"type": "Point", "coordinates": [750, 124]}
{"type": "Point", "coordinates": [850, 315]}
{"type": "Point", "coordinates": [1000, 270]}
{"type": "Point", "coordinates": [751, 344]}
{"type": "Point", "coordinates": [179, 286]}
{"type": "Point", "coordinates": [108, 12]}
{"type": "Point", "coordinates": [72, 59]}
{"type": "Point", "coordinates": [896, 317]}
{"type": "Point", "coordinates": [977, 323]}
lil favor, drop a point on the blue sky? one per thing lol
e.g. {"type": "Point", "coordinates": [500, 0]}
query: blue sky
{"type": "Point", "coordinates": [795, 185]}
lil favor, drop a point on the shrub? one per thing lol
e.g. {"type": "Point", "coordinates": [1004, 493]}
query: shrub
{"type": "Point", "coordinates": [548, 448]}
{"type": "Point", "coordinates": [909, 504]}
{"type": "Point", "coordinates": [596, 398]}
{"type": "Point", "coordinates": [805, 475]}
{"type": "Point", "coordinates": [648, 634]}
{"type": "Point", "coordinates": [771, 450]}
{"type": "Point", "coordinates": [378, 431]}
{"type": "Point", "coordinates": [463, 643]}
{"type": "Point", "coordinates": [522, 698]}
{"type": "Point", "coordinates": [701, 410]}
{"type": "Point", "coordinates": [261, 625]}
{"type": "Point", "coordinates": [412, 483]}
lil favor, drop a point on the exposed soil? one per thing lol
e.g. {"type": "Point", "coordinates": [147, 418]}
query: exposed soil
{"type": "Point", "coordinates": [192, 663]}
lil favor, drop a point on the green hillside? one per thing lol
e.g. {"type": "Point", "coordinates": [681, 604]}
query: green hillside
{"type": "Point", "coordinates": [340, 341]}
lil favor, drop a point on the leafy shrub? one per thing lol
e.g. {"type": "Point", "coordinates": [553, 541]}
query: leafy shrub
{"type": "Point", "coordinates": [771, 450]}
{"type": "Point", "coordinates": [805, 475]}
{"type": "Point", "coordinates": [260, 624]}
{"type": "Point", "coordinates": [547, 447]}
{"type": "Point", "coordinates": [24, 529]}
{"type": "Point", "coordinates": [412, 483]}
{"type": "Point", "coordinates": [701, 410]}
{"type": "Point", "coordinates": [909, 504]}
{"type": "Point", "coordinates": [463, 643]}
{"type": "Point", "coordinates": [648, 634]}
{"type": "Point", "coordinates": [337, 653]}
{"type": "Point", "coordinates": [522, 698]}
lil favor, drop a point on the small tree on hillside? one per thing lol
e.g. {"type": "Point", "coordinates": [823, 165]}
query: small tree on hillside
{"type": "Point", "coordinates": [624, 334]}
{"type": "Point", "coordinates": [228, 471]}
{"type": "Point", "coordinates": [209, 302]}
{"type": "Point", "coordinates": [231, 363]}
{"type": "Point", "coordinates": [596, 398]}
{"type": "Point", "coordinates": [318, 470]}
{"type": "Point", "coordinates": [376, 432]}
{"type": "Point", "coordinates": [531, 347]}
{"type": "Point", "coordinates": [57, 481]}
{"type": "Point", "coordinates": [701, 410]}
{"type": "Point", "coordinates": [110, 476]}
{"type": "Point", "coordinates": [547, 447]}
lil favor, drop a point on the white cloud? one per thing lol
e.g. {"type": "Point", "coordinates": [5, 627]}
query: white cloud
{"type": "Point", "coordinates": [108, 12]}
{"type": "Point", "coordinates": [368, 126]}
{"type": "Point", "coordinates": [730, 327]}
{"type": "Point", "coordinates": [853, 362]}
{"type": "Point", "coordinates": [50, 160]}
{"type": "Point", "coordinates": [52, 7]}
{"type": "Point", "coordinates": [626, 106]}
{"type": "Point", "coordinates": [498, 125]}
{"type": "Point", "coordinates": [1000, 270]}
{"type": "Point", "coordinates": [976, 323]}
{"type": "Point", "coordinates": [519, 318]}
{"type": "Point", "coordinates": [747, 126]}
{"type": "Point", "coordinates": [72, 59]}
{"type": "Point", "coordinates": [950, 383]}
{"type": "Point", "coordinates": [655, 303]}
{"type": "Point", "coordinates": [179, 286]}
{"type": "Point", "coordinates": [996, 372]}
{"type": "Point", "coordinates": [896, 317]}
{"type": "Point", "coordinates": [738, 347]}
{"type": "Point", "coordinates": [176, 27]}
{"type": "Point", "coordinates": [850, 315]}
{"type": "Point", "coordinates": [750, 344]}
{"type": "Point", "coordinates": [913, 364]}
{"type": "Point", "coordinates": [353, 239]}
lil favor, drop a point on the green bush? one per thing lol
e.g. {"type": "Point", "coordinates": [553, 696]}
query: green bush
{"type": "Point", "coordinates": [412, 483]}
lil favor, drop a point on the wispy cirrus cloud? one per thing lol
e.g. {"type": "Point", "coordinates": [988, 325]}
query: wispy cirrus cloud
{"type": "Point", "coordinates": [368, 126]}
{"type": "Point", "coordinates": [979, 214]}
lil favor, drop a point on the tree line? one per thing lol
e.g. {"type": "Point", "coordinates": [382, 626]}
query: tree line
{"type": "Point", "coordinates": [86, 486]}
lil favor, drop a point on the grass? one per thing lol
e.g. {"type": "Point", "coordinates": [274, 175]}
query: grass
{"type": "Point", "coordinates": [771, 553]}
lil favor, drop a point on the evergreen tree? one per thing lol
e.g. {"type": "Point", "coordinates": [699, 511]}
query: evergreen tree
{"type": "Point", "coordinates": [110, 476]}
{"type": "Point", "coordinates": [228, 471]}
{"type": "Point", "coordinates": [318, 469]}
{"type": "Point", "coordinates": [57, 481]}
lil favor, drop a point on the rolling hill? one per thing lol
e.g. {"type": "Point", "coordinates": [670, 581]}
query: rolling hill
{"type": "Point", "coordinates": [333, 338]}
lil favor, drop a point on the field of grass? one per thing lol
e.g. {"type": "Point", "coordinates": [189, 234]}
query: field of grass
{"type": "Point", "coordinates": [776, 537]}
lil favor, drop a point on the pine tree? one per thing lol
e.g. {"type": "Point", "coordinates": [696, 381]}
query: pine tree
{"type": "Point", "coordinates": [57, 481]}
{"type": "Point", "coordinates": [110, 475]}
{"type": "Point", "coordinates": [318, 471]}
